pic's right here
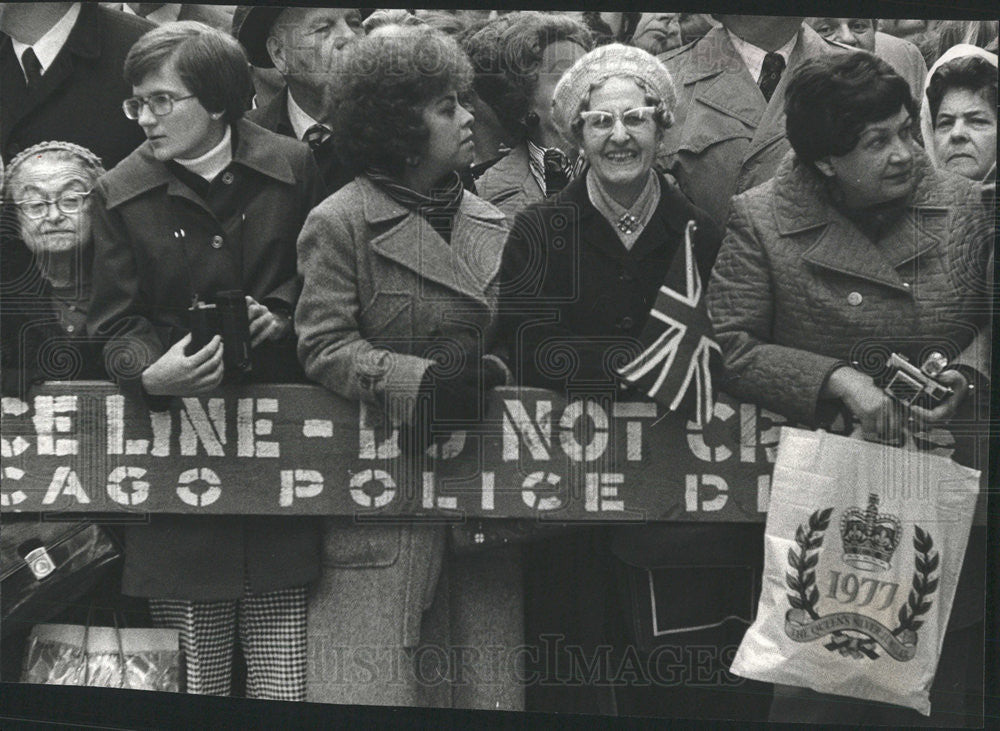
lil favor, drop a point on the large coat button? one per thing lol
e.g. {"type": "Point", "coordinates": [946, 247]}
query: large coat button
{"type": "Point", "coordinates": [854, 299]}
{"type": "Point", "coordinates": [227, 178]}
{"type": "Point", "coordinates": [216, 242]}
{"type": "Point", "coordinates": [626, 323]}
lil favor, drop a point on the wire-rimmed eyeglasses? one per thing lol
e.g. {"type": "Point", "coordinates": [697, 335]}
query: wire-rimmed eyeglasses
{"type": "Point", "coordinates": [159, 104]}
{"type": "Point", "coordinates": [68, 203]}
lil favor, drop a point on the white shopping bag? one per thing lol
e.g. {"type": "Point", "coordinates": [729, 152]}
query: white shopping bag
{"type": "Point", "coordinates": [863, 548]}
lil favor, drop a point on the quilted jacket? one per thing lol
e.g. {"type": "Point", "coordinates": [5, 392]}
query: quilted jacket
{"type": "Point", "coordinates": [797, 289]}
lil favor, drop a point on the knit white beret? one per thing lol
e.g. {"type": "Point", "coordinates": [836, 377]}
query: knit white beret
{"type": "Point", "coordinates": [601, 64]}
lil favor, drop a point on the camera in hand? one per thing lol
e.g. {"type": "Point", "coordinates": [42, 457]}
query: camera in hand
{"type": "Point", "coordinates": [226, 316]}
{"type": "Point", "coordinates": [913, 386]}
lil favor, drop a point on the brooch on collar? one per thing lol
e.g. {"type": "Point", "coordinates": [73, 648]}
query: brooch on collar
{"type": "Point", "coordinates": [628, 223]}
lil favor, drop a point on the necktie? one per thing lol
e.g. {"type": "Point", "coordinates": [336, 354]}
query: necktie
{"type": "Point", "coordinates": [315, 136]}
{"type": "Point", "coordinates": [32, 67]}
{"type": "Point", "coordinates": [556, 171]}
{"type": "Point", "coordinates": [770, 74]}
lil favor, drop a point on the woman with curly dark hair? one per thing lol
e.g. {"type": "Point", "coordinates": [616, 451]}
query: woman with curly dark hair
{"type": "Point", "coordinates": [518, 59]}
{"type": "Point", "coordinates": [398, 312]}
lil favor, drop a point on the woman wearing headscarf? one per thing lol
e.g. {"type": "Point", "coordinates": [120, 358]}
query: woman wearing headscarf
{"type": "Point", "coordinates": [399, 299]}
{"type": "Point", "coordinates": [958, 113]}
{"type": "Point", "coordinates": [856, 249]}
{"type": "Point", "coordinates": [518, 59]}
{"type": "Point", "coordinates": [579, 278]}
{"type": "Point", "coordinates": [49, 186]}
{"type": "Point", "coordinates": [210, 203]}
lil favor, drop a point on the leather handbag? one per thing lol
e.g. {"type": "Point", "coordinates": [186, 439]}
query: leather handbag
{"type": "Point", "coordinates": [45, 566]}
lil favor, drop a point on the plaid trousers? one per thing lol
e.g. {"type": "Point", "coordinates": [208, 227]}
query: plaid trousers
{"type": "Point", "coordinates": [272, 630]}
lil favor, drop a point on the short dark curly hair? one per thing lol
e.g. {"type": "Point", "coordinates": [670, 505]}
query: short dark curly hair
{"type": "Point", "coordinates": [389, 78]}
{"type": "Point", "coordinates": [968, 72]}
{"type": "Point", "coordinates": [212, 64]}
{"type": "Point", "coordinates": [831, 99]}
{"type": "Point", "coordinates": [506, 54]}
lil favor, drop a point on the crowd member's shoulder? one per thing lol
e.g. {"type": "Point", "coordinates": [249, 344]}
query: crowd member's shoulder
{"type": "Point", "coordinates": [137, 174]}
{"type": "Point", "coordinates": [681, 51]}
{"type": "Point", "coordinates": [278, 143]}
{"type": "Point", "coordinates": [476, 207]}
{"type": "Point", "coordinates": [940, 187]}
{"type": "Point", "coordinates": [125, 26]}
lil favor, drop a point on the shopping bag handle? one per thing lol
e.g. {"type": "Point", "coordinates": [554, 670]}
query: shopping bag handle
{"type": "Point", "coordinates": [122, 682]}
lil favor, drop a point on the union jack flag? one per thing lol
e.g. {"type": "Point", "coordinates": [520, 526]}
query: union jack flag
{"type": "Point", "coordinates": [677, 340]}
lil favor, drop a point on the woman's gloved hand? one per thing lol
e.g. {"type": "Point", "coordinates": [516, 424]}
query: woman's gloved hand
{"type": "Point", "coordinates": [457, 395]}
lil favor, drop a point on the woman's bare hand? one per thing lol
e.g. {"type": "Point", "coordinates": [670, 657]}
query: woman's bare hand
{"type": "Point", "coordinates": [880, 416]}
{"type": "Point", "coordinates": [177, 374]}
{"type": "Point", "coordinates": [946, 410]}
{"type": "Point", "coordinates": [265, 324]}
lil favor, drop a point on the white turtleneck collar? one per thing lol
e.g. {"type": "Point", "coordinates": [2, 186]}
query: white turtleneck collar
{"type": "Point", "coordinates": [212, 162]}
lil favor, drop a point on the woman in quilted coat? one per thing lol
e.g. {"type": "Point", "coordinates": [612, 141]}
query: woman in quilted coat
{"type": "Point", "coordinates": [858, 248]}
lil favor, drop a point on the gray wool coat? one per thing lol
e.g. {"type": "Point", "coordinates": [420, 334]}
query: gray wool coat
{"type": "Point", "coordinates": [381, 290]}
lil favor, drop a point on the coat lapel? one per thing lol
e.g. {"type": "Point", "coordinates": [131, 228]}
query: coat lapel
{"type": "Point", "coordinates": [723, 81]}
{"type": "Point", "coordinates": [592, 228]}
{"type": "Point", "coordinates": [840, 247]}
{"type": "Point", "coordinates": [83, 42]}
{"type": "Point", "coordinates": [467, 266]}
{"type": "Point", "coordinates": [273, 116]}
{"type": "Point", "coordinates": [801, 204]}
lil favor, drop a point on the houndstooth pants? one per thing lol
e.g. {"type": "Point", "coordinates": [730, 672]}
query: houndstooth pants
{"type": "Point", "coordinates": [272, 629]}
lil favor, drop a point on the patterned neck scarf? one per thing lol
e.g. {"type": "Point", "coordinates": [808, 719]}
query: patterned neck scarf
{"type": "Point", "coordinates": [628, 223]}
{"type": "Point", "coordinates": [438, 208]}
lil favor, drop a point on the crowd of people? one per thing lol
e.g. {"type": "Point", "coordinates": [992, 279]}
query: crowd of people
{"type": "Point", "coordinates": [374, 183]}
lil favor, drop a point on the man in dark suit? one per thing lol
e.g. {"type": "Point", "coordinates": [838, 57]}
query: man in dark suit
{"type": "Point", "coordinates": [70, 87]}
{"type": "Point", "coordinates": [303, 45]}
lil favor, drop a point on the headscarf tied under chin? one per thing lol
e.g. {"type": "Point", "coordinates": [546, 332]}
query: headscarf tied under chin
{"type": "Point", "coordinates": [601, 64]}
{"type": "Point", "coordinates": [926, 123]}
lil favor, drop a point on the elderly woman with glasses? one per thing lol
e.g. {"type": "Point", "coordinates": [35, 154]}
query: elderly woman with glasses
{"type": "Point", "coordinates": [580, 275]}
{"type": "Point", "coordinates": [44, 318]}
{"type": "Point", "coordinates": [209, 204]}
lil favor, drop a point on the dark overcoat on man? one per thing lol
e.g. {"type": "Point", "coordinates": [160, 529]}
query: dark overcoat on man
{"type": "Point", "coordinates": [273, 116]}
{"type": "Point", "coordinates": [79, 98]}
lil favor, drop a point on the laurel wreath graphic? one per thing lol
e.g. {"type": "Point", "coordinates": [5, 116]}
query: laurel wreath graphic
{"type": "Point", "coordinates": [918, 603]}
{"type": "Point", "coordinates": [804, 581]}
{"type": "Point", "coordinates": [809, 539]}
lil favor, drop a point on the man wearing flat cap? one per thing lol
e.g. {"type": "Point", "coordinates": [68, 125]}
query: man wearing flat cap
{"type": "Point", "coordinates": [304, 44]}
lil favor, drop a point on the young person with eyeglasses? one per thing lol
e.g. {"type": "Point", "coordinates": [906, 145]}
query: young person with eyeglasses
{"type": "Point", "coordinates": [210, 203]}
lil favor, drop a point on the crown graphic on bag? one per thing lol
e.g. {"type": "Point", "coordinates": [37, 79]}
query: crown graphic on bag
{"type": "Point", "coordinates": [869, 537]}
